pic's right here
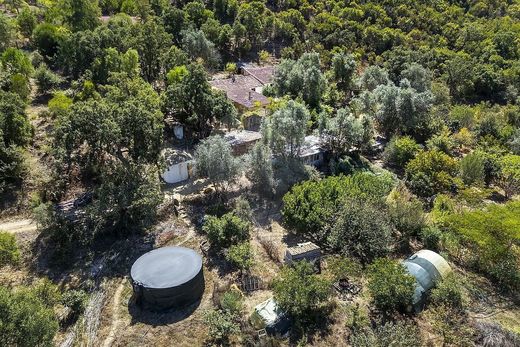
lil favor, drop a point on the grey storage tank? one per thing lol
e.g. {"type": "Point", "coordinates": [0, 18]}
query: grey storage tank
{"type": "Point", "coordinates": [168, 277]}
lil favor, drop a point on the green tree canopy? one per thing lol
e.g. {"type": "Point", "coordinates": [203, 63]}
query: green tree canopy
{"type": "Point", "coordinates": [285, 130]}
{"type": "Point", "coordinates": [214, 160]}
{"type": "Point", "coordinates": [25, 320]}
{"type": "Point", "coordinates": [431, 172]}
{"type": "Point", "coordinates": [299, 291]}
{"type": "Point", "coordinates": [391, 286]}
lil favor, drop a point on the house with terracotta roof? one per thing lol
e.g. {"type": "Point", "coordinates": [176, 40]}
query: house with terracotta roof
{"type": "Point", "coordinates": [245, 89]}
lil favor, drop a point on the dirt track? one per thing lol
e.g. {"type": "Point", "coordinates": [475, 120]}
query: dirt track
{"type": "Point", "coordinates": [18, 226]}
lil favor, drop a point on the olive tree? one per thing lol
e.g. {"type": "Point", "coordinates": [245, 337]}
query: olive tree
{"type": "Point", "coordinates": [301, 78]}
{"type": "Point", "coordinates": [345, 131]}
{"type": "Point", "coordinates": [260, 170]}
{"type": "Point", "coordinates": [343, 68]}
{"type": "Point", "coordinates": [214, 160]}
{"type": "Point", "coordinates": [285, 130]}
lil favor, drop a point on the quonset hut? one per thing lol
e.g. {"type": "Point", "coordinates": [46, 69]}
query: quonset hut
{"type": "Point", "coordinates": [168, 277]}
{"type": "Point", "coordinates": [428, 268]}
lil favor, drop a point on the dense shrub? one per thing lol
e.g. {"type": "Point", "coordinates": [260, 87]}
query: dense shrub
{"type": "Point", "coordinates": [226, 231]}
{"type": "Point", "coordinates": [25, 319]}
{"type": "Point", "coordinates": [240, 255]}
{"type": "Point", "coordinates": [9, 252]}
{"type": "Point", "coordinates": [311, 205]}
{"type": "Point", "coordinates": [490, 235]}
{"type": "Point", "coordinates": [400, 151]}
{"type": "Point", "coordinates": [405, 212]}
{"type": "Point", "coordinates": [448, 292]}
{"type": "Point", "coordinates": [442, 142]}
{"type": "Point", "coordinates": [391, 286]}
{"type": "Point", "coordinates": [221, 325]}
{"type": "Point", "coordinates": [431, 237]}
{"type": "Point", "coordinates": [232, 301]}
{"type": "Point", "coordinates": [76, 300]}
{"type": "Point", "coordinates": [509, 177]}
{"type": "Point", "coordinates": [47, 292]}
{"type": "Point", "coordinates": [431, 172]}
{"type": "Point", "coordinates": [389, 334]}
{"type": "Point", "coordinates": [46, 80]}
{"type": "Point", "coordinates": [472, 169]}
{"type": "Point", "coordinates": [299, 291]}
{"type": "Point", "coordinates": [361, 229]}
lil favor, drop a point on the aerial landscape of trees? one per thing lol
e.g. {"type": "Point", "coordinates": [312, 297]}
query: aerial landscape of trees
{"type": "Point", "coordinates": [416, 109]}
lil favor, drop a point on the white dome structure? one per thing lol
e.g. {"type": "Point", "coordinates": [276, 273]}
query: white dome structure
{"type": "Point", "coordinates": [428, 268]}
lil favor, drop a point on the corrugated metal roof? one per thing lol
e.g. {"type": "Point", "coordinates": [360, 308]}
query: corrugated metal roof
{"type": "Point", "coordinates": [238, 137]}
{"type": "Point", "coordinates": [302, 248]}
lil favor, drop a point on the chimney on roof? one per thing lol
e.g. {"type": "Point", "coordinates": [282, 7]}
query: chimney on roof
{"type": "Point", "coordinates": [250, 97]}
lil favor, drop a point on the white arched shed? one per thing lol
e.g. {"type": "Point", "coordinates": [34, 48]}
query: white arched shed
{"type": "Point", "coordinates": [428, 268]}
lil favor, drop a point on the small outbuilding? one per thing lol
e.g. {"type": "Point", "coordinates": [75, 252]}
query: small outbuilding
{"type": "Point", "coordinates": [178, 166]}
{"type": "Point", "coordinates": [303, 251]}
{"type": "Point", "coordinates": [311, 152]}
{"type": "Point", "coordinates": [428, 268]}
{"type": "Point", "coordinates": [242, 141]}
{"type": "Point", "coordinates": [270, 317]}
{"type": "Point", "coordinates": [168, 277]}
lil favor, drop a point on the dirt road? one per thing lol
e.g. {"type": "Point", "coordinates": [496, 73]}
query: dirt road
{"type": "Point", "coordinates": [18, 226]}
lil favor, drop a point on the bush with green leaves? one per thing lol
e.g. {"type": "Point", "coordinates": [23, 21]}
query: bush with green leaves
{"type": "Point", "coordinates": [59, 104]}
{"type": "Point", "coordinates": [448, 292]}
{"type": "Point", "coordinates": [46, 80]}
{"type": "Point", "coordinates": [400, 150]}
{"type": "Point", "coordinates": [509, 177]}
{"type": "Point", "coordinates": [491, 236]}
{"type": "Point", "coordinates": [431, 172]}
{"type": "Point", "coordinates": [401, 333]}
{"type": "Point", "coordinates": [240, 255]}
{"type": "Point", "coordinates": [47, 291]}
{"type": "Point", "coordinates": [9, 252]}
{"type": "Point", "coordinates": [405, 211]}
{"type": "Point", "coordinates": [222, 325]}
{"type": "Point", "coordinates": [232, 301]}
{"type": "Point", "coordinates": [431, 237]}
{"type": "Point", "coordinates": [442, 141]}
{"type": "Point", "coordinates": [26, 20]}
{"type": "Point", "coordinates": [391, 286]}
{"type": "Point", "coordinates": [227, 230]}
{"type": "Point", "coordinates": [76, 300]}
{"type": "Point", "coordinates": [25, 319]}
{"type": "Point", "coordinates": [343, 267]}
{"type": "Point", "coordinates": [300, 292]}
{"type": "Point", "coordinates": [312, 205]}
{"type": "Point", "coordinates": [361, 229]}
{"type": "Point", "coordinates": [472, 169]}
